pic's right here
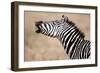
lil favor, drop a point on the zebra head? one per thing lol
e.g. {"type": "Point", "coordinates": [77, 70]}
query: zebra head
{"type": "Point", "coordinates": [51, 28]}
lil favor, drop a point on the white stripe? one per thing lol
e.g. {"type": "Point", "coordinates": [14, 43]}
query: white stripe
{"type": "Point", "coordinates": [50, 32]}
{"type": "Point", "coordinates": [48, 27]}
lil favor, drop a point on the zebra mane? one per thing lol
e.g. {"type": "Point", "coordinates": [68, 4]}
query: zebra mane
{"type": "Point", "coordinates": [76, 28]}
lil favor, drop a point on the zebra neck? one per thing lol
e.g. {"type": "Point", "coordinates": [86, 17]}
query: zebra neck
{"type": "Point", "coordinates": [81, 51]}
{"type": "Point", "coordinates": [70, 40]}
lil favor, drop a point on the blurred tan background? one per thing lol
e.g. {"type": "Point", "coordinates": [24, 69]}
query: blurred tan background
{"type": "Point", "coordinates": [39, 47]}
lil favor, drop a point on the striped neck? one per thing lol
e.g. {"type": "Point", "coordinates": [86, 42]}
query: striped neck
{"type": "Point", "coordinates": [70, 38]}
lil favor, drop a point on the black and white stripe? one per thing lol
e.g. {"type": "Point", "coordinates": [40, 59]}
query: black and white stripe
{"type": "Point", "coordinates": [69, 35]}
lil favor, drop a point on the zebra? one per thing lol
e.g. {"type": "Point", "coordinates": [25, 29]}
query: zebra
{"type": "Point", "coordinates": [68, 34]}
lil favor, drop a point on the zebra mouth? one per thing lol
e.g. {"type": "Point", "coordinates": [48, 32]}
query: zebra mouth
{"type": "Point", "coordinates": [38, 25]}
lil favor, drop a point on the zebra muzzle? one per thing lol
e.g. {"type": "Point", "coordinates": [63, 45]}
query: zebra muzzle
{"type": "Point", "coordinates": [38, 24]}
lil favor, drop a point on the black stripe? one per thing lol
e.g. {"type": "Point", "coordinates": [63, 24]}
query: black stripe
{"type": "Point", "coordinates": [80, 46]}
{"type": "Point", "coordinates": [46, 27]}
{"type": "Point", "coordinates": [51, 26]}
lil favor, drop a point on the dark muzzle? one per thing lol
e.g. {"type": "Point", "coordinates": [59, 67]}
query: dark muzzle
{"type": "Point", "coordinates": [38, 25]}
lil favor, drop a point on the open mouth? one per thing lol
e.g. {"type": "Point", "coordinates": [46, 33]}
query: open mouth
{"type": "Point", "coordinates": [38, 25]}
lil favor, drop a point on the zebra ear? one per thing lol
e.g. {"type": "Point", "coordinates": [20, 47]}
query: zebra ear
{"type": "Point", "coordinates": [64, 18]}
